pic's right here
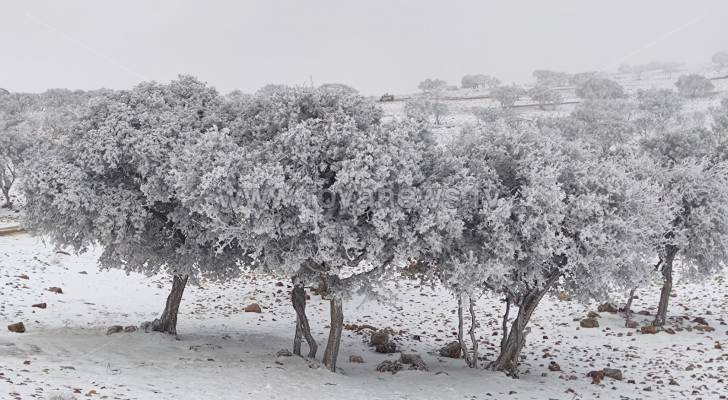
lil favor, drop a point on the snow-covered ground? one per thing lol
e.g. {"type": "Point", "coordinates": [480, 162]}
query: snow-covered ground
{"type": "Point", "coordinates": [225, 353]}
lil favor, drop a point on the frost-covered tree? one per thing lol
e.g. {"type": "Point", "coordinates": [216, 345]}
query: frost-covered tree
{"type": "Point", "coordinates": [13, 146]}
{"type": "Point", "coordinates": [479, 81]}
{"type": "Point", "coordinates": [551, 78]}
{"type": "Point", "coordinates": [694, 85]}
{"type": "Point", "coordinates": [600, 89]}
{"type": "Point", "coordinates": [432, 86]}
{"type": "Point", "coordinates": [605, 124]}
{"type": "Point", "coordinates": [558, 214]}
{"type": "Point", "coordinates": [470, 257]}
{"type": "Point", "coordinates": [581, 77]}
{"type": "Point", "coordinates": [659, 108]}
{"type": "Point", "coordinates": [325, 214]}
{"type": "Point", "coordinates": [694, 178]}
{"type": "Point", "coordinates": [720, 117]}
{"type": "Point", "coordinates": [27, 120]}
{"type": "Point", "coordinates": [338, 87]}
{"type": "Point", "coordinates": [507, 96]}
{"type": "Point", "coordinates": [545, 96]}
{"type": "Point", "coordinates": [19, 117]}
{"type": "Point", "coordinates": [107, 182]}
{"type": "Point", "coordinates": [422, 109]}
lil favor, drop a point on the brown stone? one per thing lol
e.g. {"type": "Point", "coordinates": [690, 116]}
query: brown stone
{"type": "Point", "coordinates": [701, 321]}
{"type": "Point", "coordinates": [451, 350]}
{"type": "Point", "coordinates": [589, 323]}
{"type": "Point", "coordinates": [130, 329]}
{"type": "Point", "coordinates": [40, 305]}
{"type": "Point", "coordinates": [414, 361]}
{"type": "Point", "coordinates": [649, 329]}
{"type": "Point", "coordinates": [608, 307]}
{"type": "Point", "coordinates": [114, 329]}
{"type": "Point", "coordinates": [553, 366]}
{"type": "Point", "coordinates": [613, 373]}
{"type": "Point", "coordinates": [631, 324]}
{"type": "Point", "coordinates": [379, 338]}
{"type": "Point", "coordinates": [386, 348]}
{"type": "Point", "coordinates": [704, 328]}
{"type": "Point", "coordinates": [23, 276]}
{"type": "Point", "coordinates": [390, 366]}
{"type": "Point", "coordinates": [254, 307]}
{"type": "Point", "coordinates": [597, 376]}
{"type": "Point", "coordinates": [56, 290]}
{"type": "Point", "coordinates": [17, 327]}
{"type": "Point", "coordinates": [356, 359]}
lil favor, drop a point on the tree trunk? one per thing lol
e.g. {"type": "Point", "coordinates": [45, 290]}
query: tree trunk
{"type": "Point", "coordinates": [508, 359]}
{"type": "Point", "coordinates": [297, 338]}
{"type": "Point", "coordinates": [628, 307]}
{"type": "Point", "coordinates": [461, 340]}
{"type": "Point", "coordinates": [471, 360]}
{"type": "Point", "coordinates": [6, 183]}
{"type": "Point", "coordinates": [473, 339]}
{"type": "Point", "coordinates": [167, 322]}
{"type": "Point", "coordinates": [8, 202]}
{"type": "Point", "coordinates": [337, 323]}
{"type": "Point", "coordinates": [298, 297]}
{"type": "Point", "coordinates": [661, 316]}
{"type": "Point", "coordinates": [504, 339]}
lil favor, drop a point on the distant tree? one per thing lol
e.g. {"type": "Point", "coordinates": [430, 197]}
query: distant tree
{"type": "Point", "coordinates": [479, 81]}
{"type": "Point", "coordinates": [605, 124]}
{"type": "Point", "coordinates": [721, 58]}
{"type": "Point", "coordinates": [551, 78]}
{"type": "Point", "coordinates": [490, 115]}
{"type": "Point", "coordinates": [439, 110]}
{"type": "Point", "coordinates": [600, 89]}
{"type": "Point", "coordinates": [418, 109]}
{"type": "Point", "coordinates": [720, 117]}
{"type": "Point", "coordinates": [271, 88]}
{"type": "Point", "coordinates": [625, 69]}
{"type": "Point", "coordinates": [339, 87]}
{"type": "Point", "coordinates": [694, 85]}
{"type": "Point", "coordinates": [21, 118]}
{"type": "Point", "coordinates": [545, 95]}
{"type": "Point", "coordinates": [432, 86]}
{"type": "Point", "coordinates": [658, 108]}
{"type": "Point", "coordinates": [13, 147]}
{"type": "Point", "coordinates": [421, 109]}
{"type": "Point", "coordinates": [507, 96]}
{"type": "Point", "coordinates": [581, 77]}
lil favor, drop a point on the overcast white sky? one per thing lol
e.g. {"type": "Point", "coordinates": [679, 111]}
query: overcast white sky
{"type": "Point", "coordinates": [373, 45]}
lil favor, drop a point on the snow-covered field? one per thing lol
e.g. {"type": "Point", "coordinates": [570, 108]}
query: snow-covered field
{"type": "Point", "coordinates": [225, 353]}
{"type": "Point", "coordinates": [460, 110]}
